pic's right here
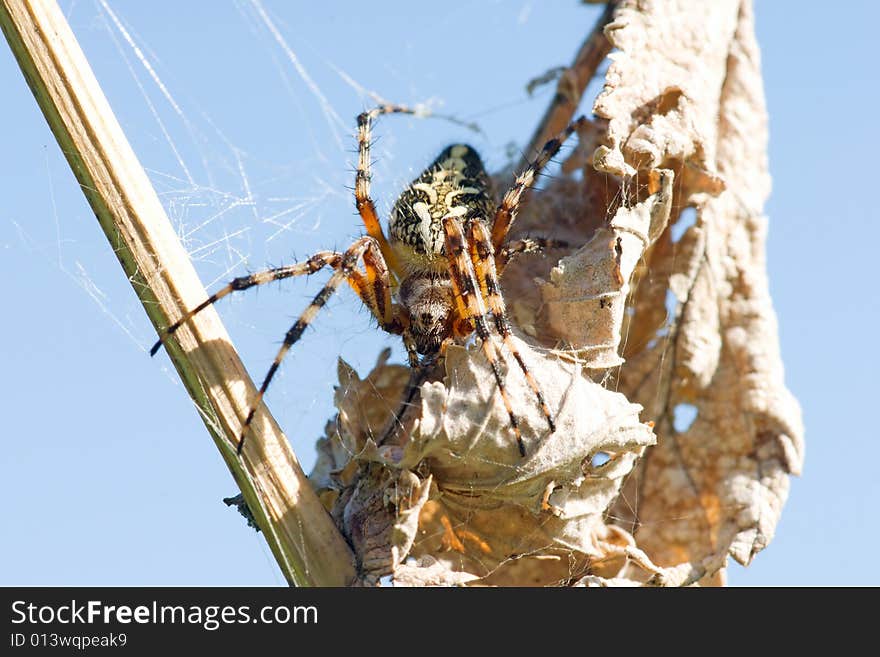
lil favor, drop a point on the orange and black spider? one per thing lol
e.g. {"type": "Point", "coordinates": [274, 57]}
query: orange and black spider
{"type": "Point", "coordinates": [447, 243]}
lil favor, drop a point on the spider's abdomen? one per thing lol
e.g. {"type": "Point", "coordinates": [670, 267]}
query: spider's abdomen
{"type": "Point", "coordinates": [457, 184]}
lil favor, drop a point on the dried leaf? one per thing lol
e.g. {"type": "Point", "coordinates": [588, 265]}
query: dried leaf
{"type": "Point", "coordinates": [428, 572]}
{"type": "Point", "coordinates": [547, 505]}
{"type": "Point", "coordinates": [585, 297]}
{"type": "Point", "coordinates": [718, 486]}
{"type": "Point", "coordinates": [662, 90]}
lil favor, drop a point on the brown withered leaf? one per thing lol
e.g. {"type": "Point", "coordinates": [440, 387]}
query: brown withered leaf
{"type": "Point", "coordinates": [543, 512]}
{"type": "Point", "coordinates": [662, 90]}
{"type": "Point", "coordinates": [716, 487]}
{"type": "Point", "coordinates": [484, 512]}
{"type": "Point", "coordinates": [585, 297]}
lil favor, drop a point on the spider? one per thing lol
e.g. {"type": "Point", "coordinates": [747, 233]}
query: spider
{"type": "Point", "coordinates": [434, 279]}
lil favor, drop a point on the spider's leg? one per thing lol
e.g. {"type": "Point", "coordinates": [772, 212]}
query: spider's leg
{"type": "Point", "coordinates": [409, 344]}
{"type": "Point", "coordinates": [526, 245]}
{"type": "Point", "coordinates": [510, 204]}
{"type": "Point", "coordinates": [572, 84]}
{"type": "Point", "coordinates": [374, 286]}
{"type": "Point", "coordinates": [471, 308]}
{"type": "Point", "coordinates": [346, 270]}
{"type": "Point", "coordinates": [310, 266]}
{"type": "Point", "coordinates": [374, 289]}
{"type": "Point", "coordinates": [480, 248]}
{"type": "Point", "coordinates": [365, 206]}
{"type": "Point", "coordinates": [418, 375]}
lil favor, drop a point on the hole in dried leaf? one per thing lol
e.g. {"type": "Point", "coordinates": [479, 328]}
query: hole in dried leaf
{"type": "Point", "coordinates": [686, 219]}
{"type": "Point", "coordinates": [683, 416]}
{"type": "Point", "coordinates": [671, 303]}
{"type": "Point", "coordinates": [599, 459]}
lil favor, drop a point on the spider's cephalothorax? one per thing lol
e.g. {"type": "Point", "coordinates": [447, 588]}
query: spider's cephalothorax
{"type": "Point", "coordinates": [447, 242]}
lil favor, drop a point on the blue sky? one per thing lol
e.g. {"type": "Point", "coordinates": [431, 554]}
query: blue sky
{"type": "Point", "coordinates": [109, 476]}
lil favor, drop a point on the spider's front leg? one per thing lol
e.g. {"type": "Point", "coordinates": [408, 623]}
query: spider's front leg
{"type": "Point", "coordinates": [472, 310]}
{"type": "Point", "coordinates": [483, 257]}
{"type": "Point", "coordinates": [363, 201]}
{"type": "Point", "coordinates": [310, 266]}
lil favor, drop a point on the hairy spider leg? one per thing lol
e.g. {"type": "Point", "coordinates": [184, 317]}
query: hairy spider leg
{"type": "Point", "coordinates": [471, 308]}
{"type": "Point", "coordinates": [526, 245]}
{"type": "Point", "coordinates": [310, 266]}
{"type": "Point", "coordinates": [364, 203]}
{"type": "Point", "coordinates": [506, 212]}
{"type": "Point", "coordinates": [483, 258]}
{"type": "Point", "coordinates": [346, 270]}
{"type": "Point", "coordinates": [374, 287]}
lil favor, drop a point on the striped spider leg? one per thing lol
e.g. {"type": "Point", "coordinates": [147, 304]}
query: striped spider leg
{"type": "Point", "coordinates": [475, 258]}
{"type": "Point", "coordinates": [510, 204]}
{"type": "Point", "coordinates": [483, 258]}
{"type": "Point", "coordinates": [526, 245]}
{"type": "Point", "coordinates": [373, 286]}
{"type": "Point", "coordinates": [472, 271]}
{"type": "Point", "coordinates": [449, 284]}
{"type": "Point", "coordinates": [363, 201]}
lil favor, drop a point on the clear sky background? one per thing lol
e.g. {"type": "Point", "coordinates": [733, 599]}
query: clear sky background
{"type": "Point", "coordinates": [108, 476]}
